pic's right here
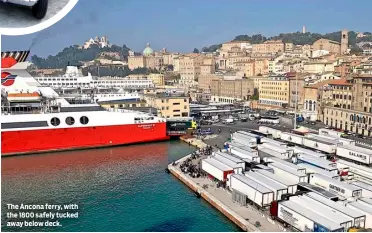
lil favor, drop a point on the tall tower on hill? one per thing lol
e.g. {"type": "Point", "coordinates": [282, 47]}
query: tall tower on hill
{"type": "Point", "coordinates": [303, 29]}
{"type": "Point", "coordinates": [344, 41]}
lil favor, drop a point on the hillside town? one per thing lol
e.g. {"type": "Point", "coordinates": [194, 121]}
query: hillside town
{"type": "Point", "coordinates": [322, 81]}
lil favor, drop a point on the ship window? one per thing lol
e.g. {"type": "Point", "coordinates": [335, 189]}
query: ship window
{"type": "Point", "coordinates": [55, 121]}
{"type": "Point", "coordinates": [84, 120]}
{"type": "Point", "coordinates": [70, 120]}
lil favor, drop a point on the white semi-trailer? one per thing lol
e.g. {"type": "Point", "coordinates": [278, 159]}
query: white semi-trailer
{"type": "Point", "coordinates": [317, 162]}
{"type": "Point", "coordinates": [278, 148]}
{"type": "Point", "coordinates": [233, 159]}
{"type": "Point", "coordinates": [329, 132]}
{"type": "Point", "coordinates": [216, 169]}
{"type": "Point", "coordinates": [243, 147]}
{"type": "Point", "coordinates": [301, 218]}
{"type": "Point", "coordinates": [366, 210]}
{"type": "Point", "coordinates": [274, 142]}
{"type": "Point", "coordinates": [266, 153]}
{"type": "Point", "coordinates": [278, 189]}
{"type": "Point", "coordinates": [238, 168]}
{"type": "Point", "coordinates": [359, 219]}
{"type": "Point", "coordinates": [291, 175]}
{"type": "Point", "coordinates": [335, 186]}
{"type": "Point", "coordinates": [274, 132]}
{"type": "Point", "coordinates": [356, 170]}
{"type": "Point", "coordinates": [293, 138]}
{"type": "Point", "coordinates": [366, 188]}
{"type": "Point", "coordinates": [298, 150]}
{"type": "Point", "coordinates": [323, 210]}
{"type": "Point", "coordinates": [255, 192]}
{"type": "Point", "coordinates": [320, 144]}
{"type": "Point", "coordinates": [310, 169]}
{"type": "Point", "coordinates": [244, 154]}
{"type": "Point", "coordinates": [355, 153]}
{"type": "Point", "coordinates": [289, 165]}
{"type": "Point", "coordinates": [244, 139]}
{"type": "Point", "coordinates": [291, 185]}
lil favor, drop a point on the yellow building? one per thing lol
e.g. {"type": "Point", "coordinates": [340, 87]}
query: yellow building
{"type": "Point", "coordinates": [169, 106]}
{"type": "Point", "coordinates": [274, 92]}
{"type": "Point", "coordinates": [270, 46]}
{"type": "Point", "coordinates": [190, 68]}
{"type": "Point", "coordinates": [157, 79]}
{"type": "Point", "coordinates": [205, 81]}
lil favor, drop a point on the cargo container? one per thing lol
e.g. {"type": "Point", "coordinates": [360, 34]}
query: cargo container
{"type": "Point", "coordinates": [335, 186]}
{"type": "Point", "coordinates": [255, 192]}
{"type": "Point", "coordinates": [244, 139]}
{"type": "Point", "coordinates": [310, 169]}
{"type": "Point", "coordinates": [291, 186]}
{"type": "Point", "coordinates": [366, 188]}
{"type": "Point", "coordinates": [274, 142]}
{"type": "Point", "coordinates": [280, 149]}
{"type": "Point", "coordinates": [301, 218]}
{"type": "Point", "coordinates": [325, 138]}
{"type": "Point", "coordinates": [355, 153]}
{"type": "Point", "coordinates": [298, 150]}
{"type": "Point", "coordinates": [320, 144]}
{"type": "Point", "coordinates": [232, 158]}
{"type": "Point", "coordinates": [345, 221]}
{"type": "Point", "coordinates": [312, 188]}
{"type": "Point", "coordinates": [262, 167]}
{"type": "Point", "coordinates": [359, 219]}
{"type": "Point", "coordinates": [238, 169]}
{"type": "Point", "coordinates": [365, 200]}
{"type": "Point", "coordinates": [257, 138]}
{"type": "Point", "coordinates": [330, 132]}
{"type": "Point", "coordinates": [342, 141]}
{"type": "Point", "coordinates": [240, 146]}
{"type": "Point", "coordinates": [245, 154]}
{"type": "Point", "coordinates": [289, 165]}
{"type": "Point", "coordinates": [274, 132]}
{"type": "Point", "coordinates": [277, 188]}
{"type": "Point", "coordinates": [355, 169]}
{"type": "Point", "coordinates": [293, 138]}
{"type": "Point", "coordinates": [283, 171]}
{"type": "Point", "coordinates": [216, 169]}
{"type": "Point", "coordinates": [320, 163]}
{"type": "Point", "coordinates": [266, 153]}
{"type": "Point", "coordinates": [366, 210]}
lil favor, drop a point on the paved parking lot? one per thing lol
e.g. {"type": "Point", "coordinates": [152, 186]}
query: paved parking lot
{"type": "Point", "coordinates": [13, 16]}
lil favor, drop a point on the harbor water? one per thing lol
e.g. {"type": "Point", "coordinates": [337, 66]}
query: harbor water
{"type": "Point", "coordinates": [116, 189]}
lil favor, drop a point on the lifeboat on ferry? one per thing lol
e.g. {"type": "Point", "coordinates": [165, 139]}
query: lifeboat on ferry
{"type": "Point", "coordinates": [24, 97]}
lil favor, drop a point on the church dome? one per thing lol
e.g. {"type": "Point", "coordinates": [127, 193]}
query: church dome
{"type": "Point", "coordinates": [148, 51]}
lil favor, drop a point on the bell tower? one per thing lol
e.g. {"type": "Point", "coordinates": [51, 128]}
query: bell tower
{"type": "Point", "coordinates": [344, 41]}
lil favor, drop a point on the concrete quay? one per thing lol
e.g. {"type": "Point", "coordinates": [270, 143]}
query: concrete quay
{"type": "Point", "coordinates": [243, 216]}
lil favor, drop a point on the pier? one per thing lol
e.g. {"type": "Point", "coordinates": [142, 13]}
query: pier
{"type": "Point", "coordinates": [248, 218]}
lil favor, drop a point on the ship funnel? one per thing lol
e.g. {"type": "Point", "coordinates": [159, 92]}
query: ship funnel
{"type": "Point", "coordinates": [19, 56]}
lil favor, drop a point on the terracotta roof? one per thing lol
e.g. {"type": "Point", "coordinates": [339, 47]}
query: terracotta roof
{"type": "Point", "coordinates": [329, 82]}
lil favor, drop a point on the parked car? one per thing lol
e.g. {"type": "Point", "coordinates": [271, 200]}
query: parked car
{"type": "Point", "coordinates": [39, 8]}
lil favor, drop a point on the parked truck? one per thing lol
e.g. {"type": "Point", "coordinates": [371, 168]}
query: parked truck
{"type": "Point", "coordinates": [320, 144]}
{"type": "Point", "coordinates": [274, 132]}
{"type": "Point", "coordinates": [320, 163]}
{"type": "Point", "coordinates": [216, 169]}
{"type": "Point", "coordinates": [254, 192]}
{"type": "Point", "coordinates": [298, 150]}
{"type": "Point", "coordinates": [245, 154]}
{"type": "Point", "coordinates": [291, 175]}
{"type": "Point", "coordinates": [335, 186]}
{"type": "Point", "coordinates": [289, 165]}
{"type": "Point", "coordinates": [355, 153]}
{"type": "Point", "coordinates": [283, 150]}
{"type": "Point", "coordinates": [327, 132]}
{"type": "Point", "coordinates": [278, 189]}
{"type": "Point", "coordinates": [301, 218]}
{"type": "Point", "coordinates": [293, 138]}
{"type": "Point", "coordinates": [310, 169]}
{"type": "Point", "coordinates": [291, 186]}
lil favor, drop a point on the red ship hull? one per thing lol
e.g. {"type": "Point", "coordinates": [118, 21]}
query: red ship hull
{"type": "Point", "coordinates": [46, 140]}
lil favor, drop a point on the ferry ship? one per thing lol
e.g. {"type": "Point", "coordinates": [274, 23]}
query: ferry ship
{"type": "Point", "coordinates": [74, 78]}
{"type": "Point", "coordinates": [36, 119]}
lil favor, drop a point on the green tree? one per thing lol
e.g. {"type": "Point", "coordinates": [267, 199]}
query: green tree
{"type": "Point", "coordinates": [195, 50]}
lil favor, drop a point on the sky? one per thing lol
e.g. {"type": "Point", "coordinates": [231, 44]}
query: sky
{"type": "Point", "coordinates": [182, 25]}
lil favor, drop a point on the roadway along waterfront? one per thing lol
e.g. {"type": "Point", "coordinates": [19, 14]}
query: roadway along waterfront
{"type": "Point", "coordinates": [117, 189]}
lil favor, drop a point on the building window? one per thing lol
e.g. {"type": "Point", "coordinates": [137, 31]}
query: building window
{"type": "Point", "coordinates": [176, 110]}
{"type": "Point", "coordinates": [176, 103]}
{"type": "Point", "coordinates": [167, 108]}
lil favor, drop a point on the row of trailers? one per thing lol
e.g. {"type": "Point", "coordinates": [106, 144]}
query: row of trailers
{"type": "Point", "coordinates": [327, 141]}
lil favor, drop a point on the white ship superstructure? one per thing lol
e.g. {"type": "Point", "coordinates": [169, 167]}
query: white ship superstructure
{"type": "Point", "coordinates": [73, 78]}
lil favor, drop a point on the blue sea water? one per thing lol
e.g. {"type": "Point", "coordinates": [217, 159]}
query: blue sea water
{"type": "Point", "coordinates": [117, 189]}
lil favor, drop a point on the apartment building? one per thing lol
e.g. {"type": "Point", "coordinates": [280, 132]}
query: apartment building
{"type": "Point", "coordinates": [169, 106]}
{"type": "Point", "coordinates": [157, 79]}
{"type": "Point", "coordinates": [270, 46]}
{"type": "Point", "coordinates": [190, 68]}
{"type": "Point", "coordinates": [274, 92]}
{"type": "Point", "coordinates": [296, 87]}
{"type": "Point", "coordinates": [231, 89]}
{"type": "Point", "coordinates": [205, 81]}
{"type": "Point", "coordinates": [317, 67]}
{"type": "Point", "coordinates": [350, 105]}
